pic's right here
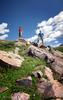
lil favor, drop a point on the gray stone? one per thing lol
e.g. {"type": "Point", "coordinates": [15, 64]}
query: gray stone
{"type": "Point", "coordinates": [25, 81]}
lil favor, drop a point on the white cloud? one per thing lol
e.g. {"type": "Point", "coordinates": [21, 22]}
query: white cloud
{"type": "Point", "coordinates": [43, 23]}
{"type": "Point", "coordinates": [33, 38]}
{"type": "Point", "coordinates": [52, 29]}
{"type": "Point", "coordinates": [3, 37]}
{"type": "Point", "coordinates": [56, 42]}
{"type": "Point", "coordinates": [3, 31]}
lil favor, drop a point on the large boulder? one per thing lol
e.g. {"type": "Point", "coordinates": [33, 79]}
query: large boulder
{"type": "Point", "coordinates": [55, 62]}
{"type": "Point", "coordinates": [44, 88]}
{"type": "Point", "coordinates": [34, 51]}
{"type": "Point", "coordinates": [57, 67]}
{"type": "Point", "coordinates": [10, 59]}
{"type": "Point", "coordinates": [50, 88]}
{"type": "Point", "coordinates": [20, 96]}
{"type": "Point", "coordinates": [40, 53]}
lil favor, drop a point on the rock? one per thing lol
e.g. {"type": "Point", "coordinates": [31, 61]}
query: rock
{"type": "Point", "coordinates": [20, 96]}
{"type": "Point", "coordinates": [34, 51]}
{"type": "Point", "coordinates": [56, 86]}
{"type": "Point", "coordinates": [56, 63]}
{"type": "Point", "coordinates": [21, 42]}
{"type": "Point", "coordinates": [28, 42]}
{"type": "Point", "coordinates": [43, 87]}
{"type": "Point", "coordinates": [50, 61]}
{"type": "Point", "coordinates": [39, 52]}
{"type": "Point", "coordinates": [49, 74]}
{"type": "Point", "coordinates": [57, 67]}
{"type": "Point", "coordinates": [10, 59]}
{"type": "Point", "coordinates": [61, 78]}
{"type": "Point", "coordinates": [16, 50]}
{"type": "Point", "coordinates": [53, 88]}
{"type": "Point", "coordinates": [37, 74]}
{"type": "Point", "coordinates": [58, 89]}
{"type": "Point", "coordinates": [25, 81]}
{"type": "Point", "coordinates": [3, 89]}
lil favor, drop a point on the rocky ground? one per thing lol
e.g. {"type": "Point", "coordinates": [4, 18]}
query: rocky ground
{"type": "Point", "coordinates": [30, 73]}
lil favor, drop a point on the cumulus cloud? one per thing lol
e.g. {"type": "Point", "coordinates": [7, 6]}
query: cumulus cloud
{"type": "Point", "coordinates": [3, 31]}
{"type": "Point", "coordinates": [52, 29]}
{"type": "Point", "coordinates": [33, 38]}
{"type": "Point", "coordinates": [3, 36]}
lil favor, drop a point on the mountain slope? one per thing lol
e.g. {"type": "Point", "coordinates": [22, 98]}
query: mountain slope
{"type": "Point", "coordinates": [8, 76]}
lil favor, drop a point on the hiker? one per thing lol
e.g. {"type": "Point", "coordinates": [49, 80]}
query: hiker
{"type": "Point", "coordinates": [40, 36]}
{"type": "Point", "coordinates": [20, 32]}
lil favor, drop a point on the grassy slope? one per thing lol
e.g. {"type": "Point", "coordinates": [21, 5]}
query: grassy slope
{"type": "Point", "coordinates": [60, 48]}
{"type": "Point", "coordinates": [9, 76]}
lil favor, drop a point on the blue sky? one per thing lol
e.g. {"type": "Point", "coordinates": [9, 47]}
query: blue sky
{"type": "Point", "coordinates": [27, 13]}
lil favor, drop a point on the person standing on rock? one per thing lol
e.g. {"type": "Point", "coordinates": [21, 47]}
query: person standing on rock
{"type": "Point", "coordinates": [20, 32]}
{"type": "Point", "coordinates": [40, 37]}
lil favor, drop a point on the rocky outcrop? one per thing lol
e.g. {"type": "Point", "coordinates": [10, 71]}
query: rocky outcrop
{"type": "Point", "coordinates": [41, 53]}
{"type": "Point", "coordinates": [55, 62]}
{"type": "Point", "coordinates": [10, 59]}
{"type": "Point", "coordinates": [45, 88]}
{"type": "Point", "coordinates": [20, 96]}
{"type": "Point", "coordinates": [20, 42]}
{"type": "Point", "coordinates": [50, 88]}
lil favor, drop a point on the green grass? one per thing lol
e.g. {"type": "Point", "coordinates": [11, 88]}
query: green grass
{"type": "Point", "coordinates": [7, 45]}
{"type": "Point", "coordinates": [60, 48]}
{"type": "Point", "coordinates": [9, 76]}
